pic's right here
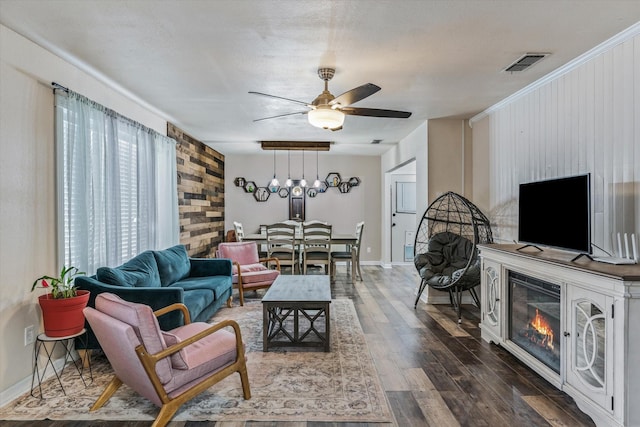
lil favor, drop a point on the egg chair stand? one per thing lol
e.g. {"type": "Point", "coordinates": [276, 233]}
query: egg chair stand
{"type": "Point", "coordinates": [445, 248]}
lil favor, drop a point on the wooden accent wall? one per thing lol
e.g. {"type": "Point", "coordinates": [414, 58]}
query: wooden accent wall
{"type": "Point", "coordinates": [200, 194]}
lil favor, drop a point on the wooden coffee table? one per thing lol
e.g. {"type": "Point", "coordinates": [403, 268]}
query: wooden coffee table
{"type": "Point", "coordinates": [293, 300]}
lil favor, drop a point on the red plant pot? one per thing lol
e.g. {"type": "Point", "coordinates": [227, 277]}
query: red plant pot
{"type": "Point", "coordinates": [63, 317]}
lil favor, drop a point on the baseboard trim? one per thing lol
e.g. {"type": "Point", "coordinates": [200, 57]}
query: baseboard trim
{"type": "Point", "coordinates": [24, 385]}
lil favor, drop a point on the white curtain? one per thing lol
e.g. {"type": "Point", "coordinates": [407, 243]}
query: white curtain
{"type": "Point", "coordinates": [117, 185]}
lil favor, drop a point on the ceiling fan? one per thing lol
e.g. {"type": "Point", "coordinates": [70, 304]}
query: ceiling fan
{"type": "Point", "coordinates": [328, 111]}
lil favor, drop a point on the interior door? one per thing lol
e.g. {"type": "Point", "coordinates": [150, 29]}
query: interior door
{"type": "Point", "coordinates": [403, 219]}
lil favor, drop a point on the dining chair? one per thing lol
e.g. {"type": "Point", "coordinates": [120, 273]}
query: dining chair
{"type": "Point", "coordinates": [281, 244]}
{"type": "Point", "coordinates": [316, 248]}
{"type": "Point", "coordinates": [249, 270]}
{"type": "Point", "coordinates": [237, 226]}
{"type": "Point", "coordinates": [352, 256]}
{"type": "Point", "coordinates": [167, 367]}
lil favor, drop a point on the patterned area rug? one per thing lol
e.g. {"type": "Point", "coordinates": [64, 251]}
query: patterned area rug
{"type": "Point", "coordinates": [287, 384]}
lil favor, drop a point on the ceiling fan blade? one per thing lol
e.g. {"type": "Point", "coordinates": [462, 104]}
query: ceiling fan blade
{"type": "Point", "coordinates": [355, 95]}
{"type": "Point", "coordinates": [280, 115]}
{"type": "Point", "coordinates": [280, 97]}
{"type": "Point", "coordinates": [375, 112]}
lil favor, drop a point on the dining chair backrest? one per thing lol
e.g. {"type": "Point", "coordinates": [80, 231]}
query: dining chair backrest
{"type": "Point", "coordinates": [316, 239]}
{"type": "Point", "coordinates": [237, 226]}
{"type": "Point", "coordinates": [281, 242]}
{"type": "Point", "coordinates": [359, 232]}
{"type": "Point", "coordinates": [296, 224]}
{"type": "Point", "coordinates": [316, 234]}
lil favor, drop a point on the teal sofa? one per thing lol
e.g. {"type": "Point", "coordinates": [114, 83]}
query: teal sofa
{"type": "Point", "coordinates": [161, 278]}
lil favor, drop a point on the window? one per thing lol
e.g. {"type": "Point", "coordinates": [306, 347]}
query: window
{"type": "Point", "coordinates": [117, 185]}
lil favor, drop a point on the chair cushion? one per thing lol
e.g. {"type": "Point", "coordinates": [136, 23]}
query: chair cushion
{"type": "Point", "coordinates": [143, 322]}
{"type": "Point", "coordinates": [217, 345]}
{"type": "Point", "coordinates": [173, 264]}
{"type": "Point", "coordinates": [249, 268]}
{"type": "Point", "coordinates": [257, 277]}
{"type": "Point", "coordinates": [140, 271]}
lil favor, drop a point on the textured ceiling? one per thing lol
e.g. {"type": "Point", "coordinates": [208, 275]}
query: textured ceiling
{"type": "Point", "coordinates": [196, 61]}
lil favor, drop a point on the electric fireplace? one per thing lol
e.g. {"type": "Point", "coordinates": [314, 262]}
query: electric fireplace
{"type": "Point", "coordinates": [534, 312]}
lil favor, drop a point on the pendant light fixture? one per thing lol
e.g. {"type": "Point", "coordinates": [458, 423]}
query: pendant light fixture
{"type": "Point", "coordinates": [288, 182]}
{"type": "Point", "coordinates": [316, 183]}
{"type": "Point", "coordinates": [274, 181]}
{"type": "Point", "coordinates": [303, 182]}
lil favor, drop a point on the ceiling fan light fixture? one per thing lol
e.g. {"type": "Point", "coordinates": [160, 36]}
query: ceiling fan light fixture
{"type": "Point", "coordinates": [325, 117]}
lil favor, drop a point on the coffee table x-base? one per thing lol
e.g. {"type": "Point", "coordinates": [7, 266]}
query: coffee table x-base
{"type": "Point", "coordinates": [293, 300]}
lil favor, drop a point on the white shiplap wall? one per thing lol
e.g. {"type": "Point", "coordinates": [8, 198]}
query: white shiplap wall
{"type": "Point", "coordinates": [583, 119]}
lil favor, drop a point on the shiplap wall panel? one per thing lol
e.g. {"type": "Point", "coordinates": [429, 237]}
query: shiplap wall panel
{"type": "Point", "coordinates": [200, 194]}
{"type": "Point", "coordinates": [584, 120]}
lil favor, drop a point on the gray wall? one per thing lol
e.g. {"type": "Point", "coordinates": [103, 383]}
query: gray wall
{"type": "Point", "coordinates": [343, 211]}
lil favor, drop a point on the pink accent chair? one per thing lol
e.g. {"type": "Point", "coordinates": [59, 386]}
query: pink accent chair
{"type": "Point", "coordinates": [168, 368]}
{"type": "Point", "coordinates": [249, 271]}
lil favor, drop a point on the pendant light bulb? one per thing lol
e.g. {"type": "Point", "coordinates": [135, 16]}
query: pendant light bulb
{"type": "Point", "coordinates": [274, 181]}
{"type": "Point", "coordinates": [316, 183]}
{"type": "Point", "coordinates": [303, 182]}
{"type": "Point", "coordinates": [288, 182]}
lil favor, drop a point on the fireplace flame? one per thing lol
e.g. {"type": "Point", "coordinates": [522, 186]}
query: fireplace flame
{"type": "Point", "coordinates": [543, 332]}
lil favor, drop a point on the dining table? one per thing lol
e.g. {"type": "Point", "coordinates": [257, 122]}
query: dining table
{"type": "Point", "coordinates": [336, 239]}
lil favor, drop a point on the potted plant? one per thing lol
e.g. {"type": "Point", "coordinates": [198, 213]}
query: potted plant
{"type": "Point", "coordinates": [62, 307]}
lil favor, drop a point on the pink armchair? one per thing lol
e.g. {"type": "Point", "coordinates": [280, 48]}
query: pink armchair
{"type": "Point", "coordinates": [164, 366]}
{"type": "Point", "coordinates": [249, 271]}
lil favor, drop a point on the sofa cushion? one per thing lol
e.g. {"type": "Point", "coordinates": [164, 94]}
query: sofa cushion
{"type": "Point", "coordinates": [217, 284]}
{"type": "Point", "coordinates": [140, 271]}
{"type": "Point", "coordinates": [173, 264]}
{"type": "Point", "coordinates": [197, 300]}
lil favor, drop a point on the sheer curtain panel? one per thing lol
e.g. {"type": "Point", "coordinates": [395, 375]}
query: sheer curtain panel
{"type": "Point", "coordinates": [117, 185]}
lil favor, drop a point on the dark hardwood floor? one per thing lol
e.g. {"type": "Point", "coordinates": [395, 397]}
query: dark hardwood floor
{"type": "Point", "coordinates": [434, 371]}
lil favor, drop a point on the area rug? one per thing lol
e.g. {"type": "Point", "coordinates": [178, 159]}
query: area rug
{"type": "Point", "coordinates": [286, 384]}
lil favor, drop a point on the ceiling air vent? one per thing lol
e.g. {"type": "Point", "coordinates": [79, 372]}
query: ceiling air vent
{"type": "Point", "coordinates": [525, 61]}
{"type": "Point", "coordinates": [376, 141]}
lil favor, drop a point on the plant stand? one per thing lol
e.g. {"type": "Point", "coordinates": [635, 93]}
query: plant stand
{"type": "Point", "coordinates": [67, 344]}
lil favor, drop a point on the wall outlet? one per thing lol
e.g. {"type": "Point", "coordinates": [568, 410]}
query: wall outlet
{"type": "Point", "coordinates": [29, 335]}
{"type": "Point", "coordinates": [368, 250]}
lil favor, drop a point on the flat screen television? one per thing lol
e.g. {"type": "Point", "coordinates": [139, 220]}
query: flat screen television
{"type": "Point", "coordinates": [556, 213]}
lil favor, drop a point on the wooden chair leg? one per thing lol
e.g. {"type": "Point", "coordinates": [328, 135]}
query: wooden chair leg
{"type": "Point", "coordinates": [241, 294]}
{"type": "Point", "coordinates": [85, 356]}
{"type": "Point", "coordinates": [111, 388]}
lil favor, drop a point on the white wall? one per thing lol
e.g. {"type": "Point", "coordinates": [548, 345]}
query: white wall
{"type": "Point", "coordinates": [412, 147]}
{"type": "Point", "coordinates": [343, 211]}
{"type": "Point", "coordinates": [27, 187]}
{"type": "Point", "coordinates": [583, 118]}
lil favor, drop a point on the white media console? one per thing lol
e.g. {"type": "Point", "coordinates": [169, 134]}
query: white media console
{"type": "Point", "coordinates": [599, 325]}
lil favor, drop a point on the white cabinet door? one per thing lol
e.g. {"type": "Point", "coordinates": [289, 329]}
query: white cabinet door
{"type": "Point", "coordinates": [589, 345]}
{"type": "Point", "coordinates": [491, 287]}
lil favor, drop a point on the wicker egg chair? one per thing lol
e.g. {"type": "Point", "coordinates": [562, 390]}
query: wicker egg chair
{"type": "Point", "coordinates": [445, 252]}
